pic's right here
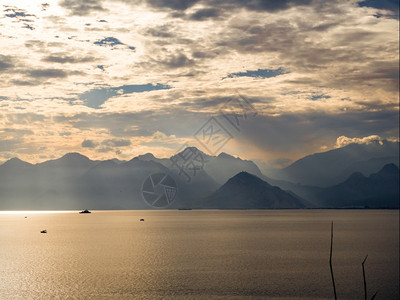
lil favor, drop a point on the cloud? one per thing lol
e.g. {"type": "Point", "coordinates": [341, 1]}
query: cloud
{"type": "Point", "coordinates": [344, 141]}
{"type": "Point", "coordinates": [80, 78]}
{"type": "Point", "coordinates": [172, 4]}
{"type": "Point", "coordinates": [179, 60]}
{"type": "Point", "coordinates": [48, 73]}
{"type": "Point", "coordinates": [117, 142]}
{"type": "Point", "coordinates": [89, 144]}
{"type": "Point", "coordinates": [82, 7]}
{"type": "Point", "coordinates": [262, 5]}
{"type": "Point", "coordinates": [204, 14]}
{"type": "Point", "coordinates": [63, 58]}
{"type": "Point", "coordinates": [161, 31]}
{"type": "Point", "coordinates": [6, 62]}
{"type": "Point", "coordinates": [280, 136]}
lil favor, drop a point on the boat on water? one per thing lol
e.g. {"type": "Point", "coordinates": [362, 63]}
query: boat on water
{"type": "Point", "coordinates": [85, 212]}
{"type": "Point", "coordinates": [141, 220]}
{"type": "Point", "coordinates": [43, 231]}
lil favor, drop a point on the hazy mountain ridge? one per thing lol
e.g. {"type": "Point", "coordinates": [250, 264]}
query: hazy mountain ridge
{"type": "Point", "coordinates": [334, 166]}
{"type": "Point", "coordinates": [379, 190]}
{"type": "Point", "coordinates": [74, 182]}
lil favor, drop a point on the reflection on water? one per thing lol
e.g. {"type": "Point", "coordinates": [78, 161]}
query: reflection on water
{"type": "Point", "coordinates": [35, 212]}
{"type": "Point", "coordinates": [197, 254]}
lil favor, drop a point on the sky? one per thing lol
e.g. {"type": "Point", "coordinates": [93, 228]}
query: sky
{"type": "Point", "coordinates": [265, 80]}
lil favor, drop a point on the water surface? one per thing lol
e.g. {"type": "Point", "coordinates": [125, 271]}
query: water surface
{"type": "Point", "coordinates": [267, 254]}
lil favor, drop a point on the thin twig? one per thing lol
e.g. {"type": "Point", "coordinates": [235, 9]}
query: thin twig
{"type": "Point", "coordinates": [365, 282]}
{"type": "Point", "coordinates": [373, 297]}
{"type": "Point", "coordinates": [330, 263]}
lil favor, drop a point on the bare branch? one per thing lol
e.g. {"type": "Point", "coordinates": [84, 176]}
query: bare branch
{"type": "Point", "coordinates": [330, 263]}
{"type": "Point", "coordinates": [365, 282]}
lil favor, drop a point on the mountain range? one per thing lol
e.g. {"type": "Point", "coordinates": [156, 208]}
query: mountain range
{"type": "Point", "coordinates": [334, 166]}
{"type": "Point", "coordinates": [352, 176]}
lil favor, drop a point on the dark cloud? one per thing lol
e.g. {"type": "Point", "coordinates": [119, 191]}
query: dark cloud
{"type": "Point", "coordinates": [65, 133]}
{"type": "Point", "coordinates": [26, 118]}
{"type": "Point", "coordinates": [204, 14]}
{"type": "Point", "coordinates": [144, 123]}
{"type": "Point", "coordinates": [9, 145]}
{"type": "Point", "coordinates": [6, 62]}
{"type": "Point", "coordinates": [163, 31]}
{"type": "Point", "coordinates": [204, 54]}
{"type": "Point", "coordinates": [63, 58]}
{"type": "Point", "coordinates": [308, 131]}
{"type": "Point", "coordinates": [36, 45]}
{"type": "Point", "coordinates": [178, 61]}
{"type": "Point", "coordinates": [172, 4]}
{"type": "Point", "coordinates": [261, 5]}
{"type": "Point", "coordinates": [48, 73]}
{"type": "Point", "coordinates": [17, 132]}
{"type": "Point", "coordinates": [88, 144]}
{"type": "Point", "coordinates": [24, 82]}
{"type": "Point", "coordinates": [82, 7]}
{"type": "Point", "coordinates": [215, 6]}
{"type": "Point", "coordinates": [116, 142]}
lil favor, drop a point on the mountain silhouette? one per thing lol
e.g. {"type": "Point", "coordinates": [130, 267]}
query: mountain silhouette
{"type": "Point", "coordinates": [74, 181]}
{"type": "Point", "coordinates": [334, 166]}
{"type": "Point", "coordinates": [379, 190]}
{"type": "Point", "coordinates": [246, 191]}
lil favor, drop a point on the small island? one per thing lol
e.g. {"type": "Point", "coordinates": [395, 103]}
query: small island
{"type": "Point", "coordinates": [85, 212]}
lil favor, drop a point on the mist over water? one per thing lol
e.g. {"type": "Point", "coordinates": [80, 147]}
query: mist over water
{"type": "Point", "coordinates": [198, 254]}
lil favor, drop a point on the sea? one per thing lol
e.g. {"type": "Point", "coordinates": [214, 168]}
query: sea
{"type": "Point", "coordinates": [198, 254]}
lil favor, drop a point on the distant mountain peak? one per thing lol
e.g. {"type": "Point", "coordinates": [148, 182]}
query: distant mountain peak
{"type": "Point", "coordinates": [190, 149]}
{"type": "Point", "coordinates": [355, 177]}
{"type": "Point", "coordinates": [226, 155]}
{"type": "Point", "coordinates": [147, 156]}
{"type": "Point", "coordinates": [245, 190]}
{"type": "Point", "coordinates": [245, 178]}
{"type": "Point", "coordinates": [244, 175]}
{"type": "Point", "coordinates": [389, 168]}
{"type": "Point", "coordinates": [15, 162]}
